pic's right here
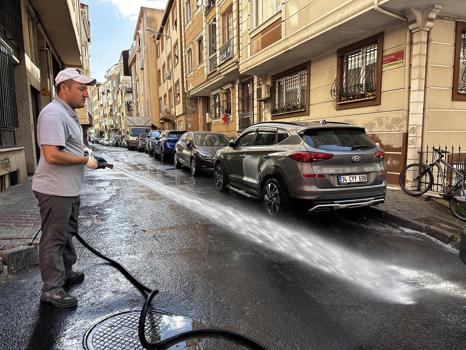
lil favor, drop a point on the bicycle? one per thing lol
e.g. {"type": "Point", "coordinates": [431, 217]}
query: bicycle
{"type": "Point", "coordinates": [418, 178]}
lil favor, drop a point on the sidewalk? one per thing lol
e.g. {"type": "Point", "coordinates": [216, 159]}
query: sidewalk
{"type": "Point", "coordinates": [425, 214]}
{"type": "Point", "coordinates": [20, 222]}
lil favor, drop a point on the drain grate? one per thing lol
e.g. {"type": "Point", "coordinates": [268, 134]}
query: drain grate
{"type": "Point", "coordinates": [120, 331]}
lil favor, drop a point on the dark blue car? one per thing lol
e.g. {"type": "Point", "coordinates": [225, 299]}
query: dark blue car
{"type": "Point", "coordinates": [164, 147]}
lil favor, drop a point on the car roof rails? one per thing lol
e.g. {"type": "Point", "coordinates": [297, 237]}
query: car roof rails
{"type": "Point", "coordinates": [323, 121]}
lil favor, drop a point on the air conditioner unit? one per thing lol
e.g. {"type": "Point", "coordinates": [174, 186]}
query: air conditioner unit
{"type": "Point", "coordinates": [263, 92]}
{"type": "Point", "coordinates": [208, 118]}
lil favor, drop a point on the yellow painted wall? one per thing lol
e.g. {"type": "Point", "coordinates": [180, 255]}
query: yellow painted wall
{"type": "Point", "coordinates": [445, 119]}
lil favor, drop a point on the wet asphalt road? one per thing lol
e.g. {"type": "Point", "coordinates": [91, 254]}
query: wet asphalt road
{"type": "Point", "coordinates": [334, 281]}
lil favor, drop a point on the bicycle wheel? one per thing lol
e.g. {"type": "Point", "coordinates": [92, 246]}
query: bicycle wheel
{"type": "Point", "coordinates": [458, 204]}
{"type": "Point", "coordinates": [416, 179]}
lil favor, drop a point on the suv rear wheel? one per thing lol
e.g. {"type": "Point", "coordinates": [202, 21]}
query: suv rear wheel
{"type": "Point", "coordinates": [274, 197]}
{"type": "Point", "coordinates": [220, 177]}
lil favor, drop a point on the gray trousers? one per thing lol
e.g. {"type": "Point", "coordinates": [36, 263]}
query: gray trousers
{"type": "Point", "coordinates": [59, 216]}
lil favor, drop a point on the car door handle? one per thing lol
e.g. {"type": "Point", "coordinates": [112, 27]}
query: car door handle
{"type": "Point", "coordinates": [265, 157]}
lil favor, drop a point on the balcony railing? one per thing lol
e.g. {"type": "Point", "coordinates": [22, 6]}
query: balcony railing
{"type": "Point", "coordinates": [226, 51]}
{"type": "Point", "coordinates": [212, 62]}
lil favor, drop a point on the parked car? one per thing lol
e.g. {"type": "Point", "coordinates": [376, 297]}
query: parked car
{"type": "Point", "coordinates": [322, 165]}
{"type": "Point", "coordinates": [153, 136]}
{"type": "Point", "coordinates": [196, 150]}
{"type": "Point", "coordinates": [164, 147]}
{"type": "Point", "coordinates": [141, 142]}
{"type": "Point", "coordinates": [114, 140]}
{"type": "Point", "coordinates": [132, 138]}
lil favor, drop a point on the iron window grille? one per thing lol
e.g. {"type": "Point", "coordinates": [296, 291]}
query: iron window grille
{"type": "Point", "coordinates": [358, 80]}
{"type": "Point", "coordinates": [459, 68]}
{"type": "Point", "coordinates": [289, 92]}
{"type": "Point", "coordinates": [8, 109]}
{"type": "Point", "coordinates": [359, 74]}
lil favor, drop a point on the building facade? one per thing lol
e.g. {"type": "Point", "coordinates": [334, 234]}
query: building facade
{"type": "Point", "coordinates": [37, 39]}
{"type": "Point", "coordinates": [395, 67]}
{"type": "Point", "coordinates": [142, 57]}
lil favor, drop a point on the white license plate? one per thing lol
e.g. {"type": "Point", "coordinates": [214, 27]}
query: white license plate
{"type": "Point", "coordinates": [351, 179]}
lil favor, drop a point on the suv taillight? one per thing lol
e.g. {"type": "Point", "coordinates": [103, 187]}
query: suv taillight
{"type": "Point", "coordinates": [380, 154]}
{"type": "Point", "coordinates": [310, 156]}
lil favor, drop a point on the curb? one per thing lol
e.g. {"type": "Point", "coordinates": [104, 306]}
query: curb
{"type": "Point", "coordinates": [19, 258]}
{"type": "Point", "coordinates": [435, 232]}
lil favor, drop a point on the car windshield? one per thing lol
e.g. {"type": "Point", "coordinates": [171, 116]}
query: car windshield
{"type": "Point", "coordinates": [210, 140]}
{"type": "Point", "coordinates": [338, 139]}
{"type": "Point", "coordinates": [175, 134]}
{"type": "Point", "coordinates": [137, 131]}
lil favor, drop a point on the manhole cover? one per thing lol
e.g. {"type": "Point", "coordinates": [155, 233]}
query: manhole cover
{"type": "Point", "coordinates": [120, 331]}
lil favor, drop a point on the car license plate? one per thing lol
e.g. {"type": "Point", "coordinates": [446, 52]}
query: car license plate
{"type": "Point", "coordinates": [352, 179]}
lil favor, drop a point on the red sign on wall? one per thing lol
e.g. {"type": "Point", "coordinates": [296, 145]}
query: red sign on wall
{"type": "Point", "coordinates": [395, 57]}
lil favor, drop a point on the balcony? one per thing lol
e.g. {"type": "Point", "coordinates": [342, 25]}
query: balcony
{"type": "Point", "coordinates": [212, 62]}
{"type": "Point", "coordinates": [226, 51]}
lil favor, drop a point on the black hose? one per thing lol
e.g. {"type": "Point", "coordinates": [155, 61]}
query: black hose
{"type": "Point", "coordinates": [165, 343]}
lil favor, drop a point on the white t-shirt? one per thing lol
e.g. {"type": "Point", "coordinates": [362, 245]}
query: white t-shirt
{"type": "Point", "coordinates": [59, 125]}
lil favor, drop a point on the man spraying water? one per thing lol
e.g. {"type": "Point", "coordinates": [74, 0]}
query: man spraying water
{"type": "Point", "coordinates": [57, 183]}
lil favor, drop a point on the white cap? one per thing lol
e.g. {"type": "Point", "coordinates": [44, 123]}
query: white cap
{"type": "Point", "coordinates": [73, 74]}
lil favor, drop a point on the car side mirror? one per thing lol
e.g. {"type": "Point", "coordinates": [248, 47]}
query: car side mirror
{"type": "Point", "coordinates": [231, 143]}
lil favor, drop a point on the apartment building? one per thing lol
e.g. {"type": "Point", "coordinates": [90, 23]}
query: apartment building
{"type": "Point", "coordinates": [37, 40]}
{"type": "Point", "coordinates": [395, 67]}
{"type": "Point", "coordinates": [176, 111]}
{"type": "Point", "coordinates": [143, 70]}
{"type": "Point", "coordinates": [95, 105]}
{"type": "Point", "coordinates": [212, 63]}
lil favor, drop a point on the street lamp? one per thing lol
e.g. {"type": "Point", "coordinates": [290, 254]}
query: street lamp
{"type": "Point", "coordinates": [172, 75]}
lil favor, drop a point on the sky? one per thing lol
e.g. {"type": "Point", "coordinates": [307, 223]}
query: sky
{"type": "Point", "coordinates": [112, 28]}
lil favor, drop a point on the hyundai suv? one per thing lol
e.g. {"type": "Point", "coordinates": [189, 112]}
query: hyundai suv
{"type": "Point", "coordinates": [323, 165]}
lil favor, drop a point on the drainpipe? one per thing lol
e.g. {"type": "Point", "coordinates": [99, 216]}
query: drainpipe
{"type": "Point", "coordinates": [388, 13]}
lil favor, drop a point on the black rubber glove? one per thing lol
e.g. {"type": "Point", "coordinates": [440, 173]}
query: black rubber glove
{"type": "Point", "coordinates": [102, 163]}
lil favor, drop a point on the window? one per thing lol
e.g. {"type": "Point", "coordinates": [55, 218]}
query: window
{"type": "Point", "coordinates": [189, 60]}
{"type": "Point", "coordinates": [177, 90]}
{"type": "Point", "coordinates": [290, 90]}
{"type": "Point", "coordinates": [246, 103]}
{"type": "Point", "coordinates": [265, 137]}
{"type": "Point", "coordinates": [227, 101]}
{"type": "Point", "coordinates": [175, 53]}
{"type": "Point", "coordinates": [187, 11]}
{"type": "Point", "coordinates": [209, 4]}
{"type": "Point", "coordinates": [359, 73]}
{"type": "Point", "coordinates": [174, 16]}
{"type": "Point", "coordinates": [227, 25]}
{"type": "Point", "coordinates": [246, 139]}
{"type": "Point", "coordinates": [282, 135]}
{"type": "Point", "coordinates": [164, 100]}
{"type": "Point", "coordinates": [200, 50]}
{"type": "Point", "coordinates": [159, 78]}
{"type": "Point", "coordinates": [212, 45]}
{"type": "Point", "coordinates": [164, 72]}
{"type": "Point", "coordinates": [215, 106]}
{"type": "Point", "coordinates": [262, 10]}
{"type": "Point", "coordinates": [459, 68]}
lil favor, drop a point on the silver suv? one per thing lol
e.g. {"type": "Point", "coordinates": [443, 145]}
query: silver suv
{"type": "Point", "coordinates": [323, 165]}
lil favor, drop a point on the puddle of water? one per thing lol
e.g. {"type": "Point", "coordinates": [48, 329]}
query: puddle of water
{"type": "Point", "coordinates": [387, 282]}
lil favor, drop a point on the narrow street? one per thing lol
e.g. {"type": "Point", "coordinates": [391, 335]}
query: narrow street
{"type": "Point", "coordinates": [329, 281]}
